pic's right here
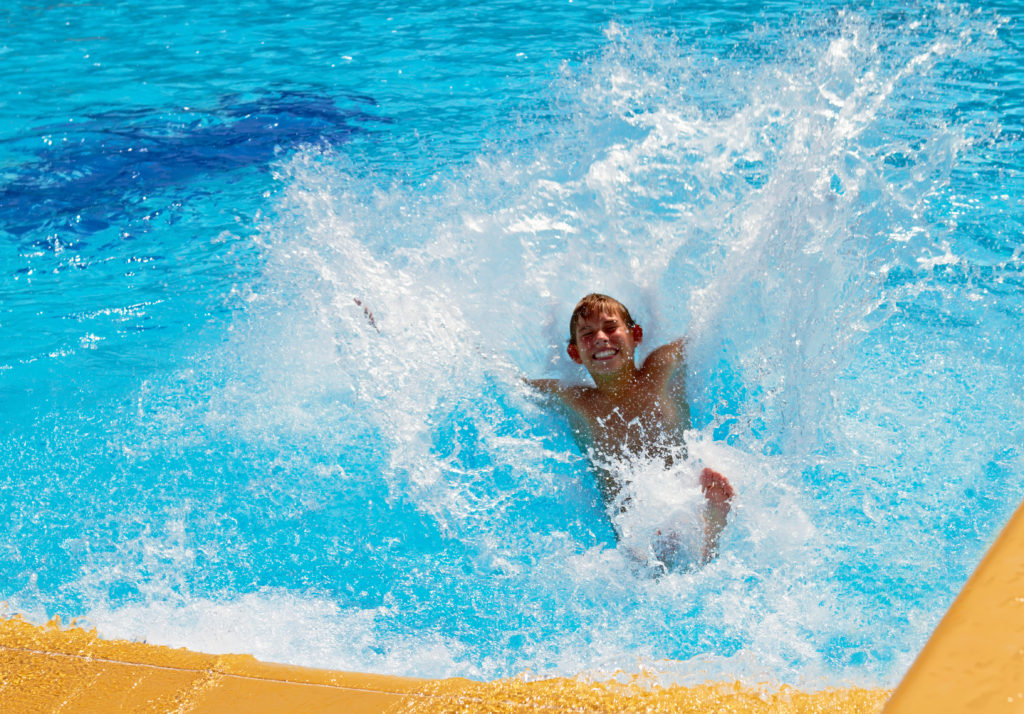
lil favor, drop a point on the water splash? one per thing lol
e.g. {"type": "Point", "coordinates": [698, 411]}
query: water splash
{"type": "Point", "coordinates": [785, 203]}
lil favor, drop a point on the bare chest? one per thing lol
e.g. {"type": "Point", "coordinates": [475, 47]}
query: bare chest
{"type": "Point", "coordinates": [640, 426]}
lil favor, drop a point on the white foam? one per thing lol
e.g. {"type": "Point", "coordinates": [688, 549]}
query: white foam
{"type": "Point", "coordinates": [279, 626]}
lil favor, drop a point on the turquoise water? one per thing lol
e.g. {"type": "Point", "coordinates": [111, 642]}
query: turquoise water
{"type": "Point", "coordinates": [204, 443]}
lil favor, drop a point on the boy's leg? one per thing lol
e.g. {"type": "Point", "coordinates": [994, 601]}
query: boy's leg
{"type": "Point", "coordinates": [668, 549]}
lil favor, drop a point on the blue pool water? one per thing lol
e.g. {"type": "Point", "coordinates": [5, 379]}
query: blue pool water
{"type": "Point", "coordinates": [204, 443]}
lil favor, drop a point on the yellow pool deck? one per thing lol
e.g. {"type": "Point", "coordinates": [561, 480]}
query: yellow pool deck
{"type": "Point", "coordinates": [974, 662]}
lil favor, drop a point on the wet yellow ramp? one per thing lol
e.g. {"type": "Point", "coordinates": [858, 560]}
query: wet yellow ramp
{"type": "Point", "coordinates": [974, 662]}
{"type": "Point", "coordinates": [52, 669]}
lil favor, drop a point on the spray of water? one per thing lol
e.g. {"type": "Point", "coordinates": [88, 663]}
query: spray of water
{"type": "Point", "coordinates": [781, 205]}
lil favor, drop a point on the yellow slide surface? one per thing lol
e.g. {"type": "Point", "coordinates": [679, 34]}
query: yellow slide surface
{"type": "Point", "coordinates": [52, 669]}
{"type": "Point", "coordinates": [974, 662]}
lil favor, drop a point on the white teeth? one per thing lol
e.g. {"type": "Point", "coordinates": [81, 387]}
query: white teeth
{"type": "Point", "coordinates": [603, 353]}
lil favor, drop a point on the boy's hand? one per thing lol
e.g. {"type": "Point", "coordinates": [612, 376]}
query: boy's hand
{"type": "Point", "coordinates": [367, 313]}
{"type": "Point", "coordinates": [716, 488]}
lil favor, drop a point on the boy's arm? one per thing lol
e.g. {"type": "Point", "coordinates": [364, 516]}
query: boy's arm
{"type": "Point", "coordinates": [547, 386]}
{"type": "Point", "coordinates": [574, 397]}
{"type": "Point", "coordinates": [719, 493]}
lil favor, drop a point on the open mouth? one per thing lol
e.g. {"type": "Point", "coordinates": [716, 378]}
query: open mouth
{"type": "Point", "coordinates": [605, 354]}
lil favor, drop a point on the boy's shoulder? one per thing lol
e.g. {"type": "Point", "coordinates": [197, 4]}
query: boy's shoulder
{"type": "Point", "coordinates": [662, 360]}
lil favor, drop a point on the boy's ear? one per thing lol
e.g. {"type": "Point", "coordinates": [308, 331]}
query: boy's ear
{"type": "Point", "coordinates": [638, 334]}
{"type": "Point", "coordinates": [574, 353]}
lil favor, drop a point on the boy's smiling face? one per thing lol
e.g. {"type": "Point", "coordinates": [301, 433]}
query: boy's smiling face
{"type": "Point", "coordinates": [604, 344]}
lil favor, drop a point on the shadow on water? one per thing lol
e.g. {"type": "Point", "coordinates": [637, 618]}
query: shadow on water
{"type": "Point", "coordinates": [93, 172]}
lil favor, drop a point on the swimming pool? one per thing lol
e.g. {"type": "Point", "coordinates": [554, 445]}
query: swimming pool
{"type": "Point", "coordinates": [205, 444]}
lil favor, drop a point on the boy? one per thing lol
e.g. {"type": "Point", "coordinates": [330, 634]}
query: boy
{"type": "Point", "coordinates": [631, 415]}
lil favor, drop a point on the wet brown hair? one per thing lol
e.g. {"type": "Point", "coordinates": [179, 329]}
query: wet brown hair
{"type": "Point", "coordinates": [596, 302]}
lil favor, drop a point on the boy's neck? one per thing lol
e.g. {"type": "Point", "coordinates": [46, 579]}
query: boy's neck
{"type": "Point", "coordinates": [617, 386]}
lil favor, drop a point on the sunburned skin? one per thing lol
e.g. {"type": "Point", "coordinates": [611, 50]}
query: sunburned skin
{"type": "Point", "coordinates": [631, 412]}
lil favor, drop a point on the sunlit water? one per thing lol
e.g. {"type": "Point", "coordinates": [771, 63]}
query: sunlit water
{"type": "Point", "coordinates": [205, 443]}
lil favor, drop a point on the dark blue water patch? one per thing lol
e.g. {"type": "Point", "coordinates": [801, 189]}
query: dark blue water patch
{"type": "Point", "coordinates": [96, 172]}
